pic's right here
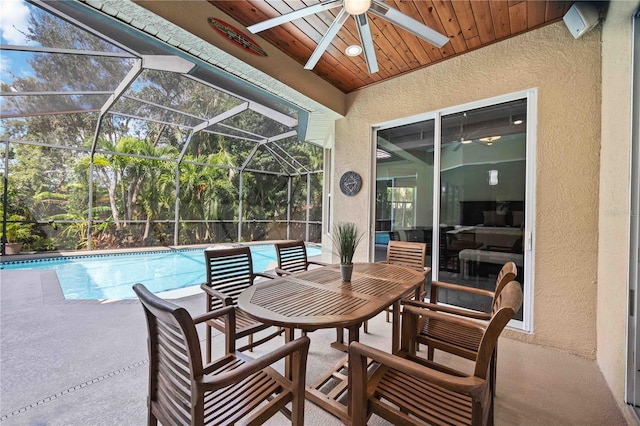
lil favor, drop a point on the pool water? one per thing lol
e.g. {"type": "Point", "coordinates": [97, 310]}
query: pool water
{"type": "Point", "coordinates": [112, 276]}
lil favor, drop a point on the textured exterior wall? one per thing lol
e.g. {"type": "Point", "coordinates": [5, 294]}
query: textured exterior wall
{"type": "Point", "coordinates": [613, 266]}
{"type": "Point", "coordinates": [566, 73]}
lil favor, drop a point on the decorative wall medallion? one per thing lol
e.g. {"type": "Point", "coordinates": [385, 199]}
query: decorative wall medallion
{"type": "Point", "coordinates": [350, 183]}
{"type": "Point", "coordinates": [236, 36]}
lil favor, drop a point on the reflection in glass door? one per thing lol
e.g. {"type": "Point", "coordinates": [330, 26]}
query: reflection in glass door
{"type": "Point", "coordinates": [404, 186]}
{"type": "Point", "coordinates": [462, 173]}
{"type": "Point", "coordinates": [482, 199]}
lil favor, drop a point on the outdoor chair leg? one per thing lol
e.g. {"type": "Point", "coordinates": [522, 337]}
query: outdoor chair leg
{"type": "Point", "coordinates": [208, 342]}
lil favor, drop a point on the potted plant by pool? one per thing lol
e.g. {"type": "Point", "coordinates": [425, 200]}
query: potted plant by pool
{"type": "Point", "coordinates": [17, 233]}
{"type": "Point", "coordinates": [346, 237]}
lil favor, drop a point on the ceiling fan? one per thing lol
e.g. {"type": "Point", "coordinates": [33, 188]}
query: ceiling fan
{"type": "Point", "coordinates": [466, 138]}
{"type": "Point", "coordinates": [358, 9]}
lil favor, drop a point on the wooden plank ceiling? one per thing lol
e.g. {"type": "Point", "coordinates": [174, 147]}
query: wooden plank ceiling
{"type": "Point", "coordinates": [469, 24]}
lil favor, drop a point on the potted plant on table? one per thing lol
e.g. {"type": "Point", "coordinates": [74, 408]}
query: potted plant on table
{"type": "Point", "coordinates": [346, 237]}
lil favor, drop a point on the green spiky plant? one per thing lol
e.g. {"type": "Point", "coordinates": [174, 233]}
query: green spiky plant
{"type": "Point", "coordinates": [346, 236]}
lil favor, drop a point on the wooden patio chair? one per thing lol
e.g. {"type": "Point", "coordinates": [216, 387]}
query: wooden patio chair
{"type": "Point", "coordinates": [409, 254]}
{"type": "Point", "coordinates": [453, 338]}
{"type": "Point", "coordinates": [229, 272]}
{"type": "Point", "coordinates": [407, 390]}
{"type": "Point", "coordinates": [234, 389]}
{"type": "Point", "coordinates": [292, 258]}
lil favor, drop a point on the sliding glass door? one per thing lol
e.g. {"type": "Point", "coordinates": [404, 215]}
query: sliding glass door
{"type": "Point", "coordinates": [483, 156]}
{"type": "Point", "coordinates": [633, 338]}
{"type": "Point", "coordinates": [404, 185]}
{"type": "Point", "coordinates": [464, 173]}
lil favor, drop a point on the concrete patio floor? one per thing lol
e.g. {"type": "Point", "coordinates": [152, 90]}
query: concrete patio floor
{"type": "Point", "coordinates": [65, 362]}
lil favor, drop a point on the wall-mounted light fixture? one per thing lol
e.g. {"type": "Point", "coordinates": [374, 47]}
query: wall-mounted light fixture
{"type": "Point", "coordinates": [493, 177]}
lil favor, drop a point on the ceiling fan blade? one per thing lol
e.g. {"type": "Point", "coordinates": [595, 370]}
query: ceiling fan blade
{"type": "Point", "coordinates": [403, 21]}
{"type": "Point", "coordinates": [326, 39]}
{"type": "Point", "coordinates": [296, 14]}
{"type": "Point", "coordinates": [364, 30]}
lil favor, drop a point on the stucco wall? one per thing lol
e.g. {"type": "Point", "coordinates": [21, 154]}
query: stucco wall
{"type": "Point", "coordinates": [567, 74]}
{"type": "Point", "coordinates": [613, 270]}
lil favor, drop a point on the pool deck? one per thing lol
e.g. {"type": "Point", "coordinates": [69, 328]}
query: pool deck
{"type": "Point", "coordinates": [84, 362]}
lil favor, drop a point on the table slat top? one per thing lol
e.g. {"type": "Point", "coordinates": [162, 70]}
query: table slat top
{"type": "Point", "coordinates": [318, 298]}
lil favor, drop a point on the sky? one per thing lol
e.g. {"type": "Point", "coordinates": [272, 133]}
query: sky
{"type": "Point", "coordinates": [14, 18]}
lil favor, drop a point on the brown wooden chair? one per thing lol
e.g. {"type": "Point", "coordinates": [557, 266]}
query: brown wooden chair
{"type": "Point", "coordinates": [234, 389]}
{"type": "Point", "coordinates": [460, 342]}
{"type": "Point", "coordinates": [409, 254]}
{"type": "Point", "coordinates": [408, 390]}
{"type": "Point", "coordinates": [455, 339]}
{"type": "Point", "coordinates": [292, 258]}
{"type": "Point", "coordinates": [229, 272]}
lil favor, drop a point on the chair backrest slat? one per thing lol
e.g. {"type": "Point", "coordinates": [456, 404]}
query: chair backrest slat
{"type": "Point", "coordinates": [292, 256]}
{"type": "Point", "coordinates": [508, 303]}
{"type": "Point", "coordinates": [409, 254]}
{"type": "Point", "coordinates": [229, 271]}
{"type": "Point", "coordinates": [507, 273]}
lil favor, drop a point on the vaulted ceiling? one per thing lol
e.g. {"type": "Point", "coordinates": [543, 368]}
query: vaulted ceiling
{"type": "Point", "coordinates": [469, 25]}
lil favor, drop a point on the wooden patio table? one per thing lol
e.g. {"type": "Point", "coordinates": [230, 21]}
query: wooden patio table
{"type": "Point", "coordinates": [318, 298]}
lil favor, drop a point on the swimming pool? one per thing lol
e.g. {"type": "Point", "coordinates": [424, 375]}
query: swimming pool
{"type": "Point", "coordinates": [108, 276]}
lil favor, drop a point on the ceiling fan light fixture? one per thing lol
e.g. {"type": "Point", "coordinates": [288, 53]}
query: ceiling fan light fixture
{"type": "Point", "coordinates": [357, 7]}
{"type": "Point", "coordinates": [489, 140]}
{"type": "Point", "coordinates": [353, 50]}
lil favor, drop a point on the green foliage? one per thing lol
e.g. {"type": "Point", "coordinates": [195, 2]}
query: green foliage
{"type": "Point", "coordinates": [18, 231]}
{"type": "Point", "coordinates": [132, 174]}
{"type": "Point", "coordinates": [346, 236]}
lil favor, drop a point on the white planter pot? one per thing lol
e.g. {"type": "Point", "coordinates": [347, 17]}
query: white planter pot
{"type": "Point", "coordinates": [345, 271]}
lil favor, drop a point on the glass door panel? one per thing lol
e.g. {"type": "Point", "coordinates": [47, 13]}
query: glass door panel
{"type": "Point", "coordinates": [482, 198]}
{"type": "Point", "coordinates": [404, 186]}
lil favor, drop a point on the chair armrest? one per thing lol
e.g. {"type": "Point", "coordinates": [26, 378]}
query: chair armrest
{"type": "Point", "coordinates": [452, 319]}
{"type": "Point", "coordinates": [226, 310]}
{"type": "Point", "coordinates": [299, 346]}
{"type": "Point", "coordinates": [458, 287]}
{"type": "Point", "coordinates": [448, 309]}
{"type": "Point", "coordinates": [226, 300]}
{"type": "Point", "coordinates": [313, 262]}
{"type": "Point", "coordinates": [263, 275]}
{"type": "Point", "coordinates": [358, 353]}
{"type": "Point", "coordinates": [282, 272]}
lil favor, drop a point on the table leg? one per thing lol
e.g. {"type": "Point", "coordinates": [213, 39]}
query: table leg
{"type": "Point", "coordinates": [354, 333]}
{"type": "Point", "coordinates": [395, 327]}
{"type": "Point", "coordinates": [288, 337]}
